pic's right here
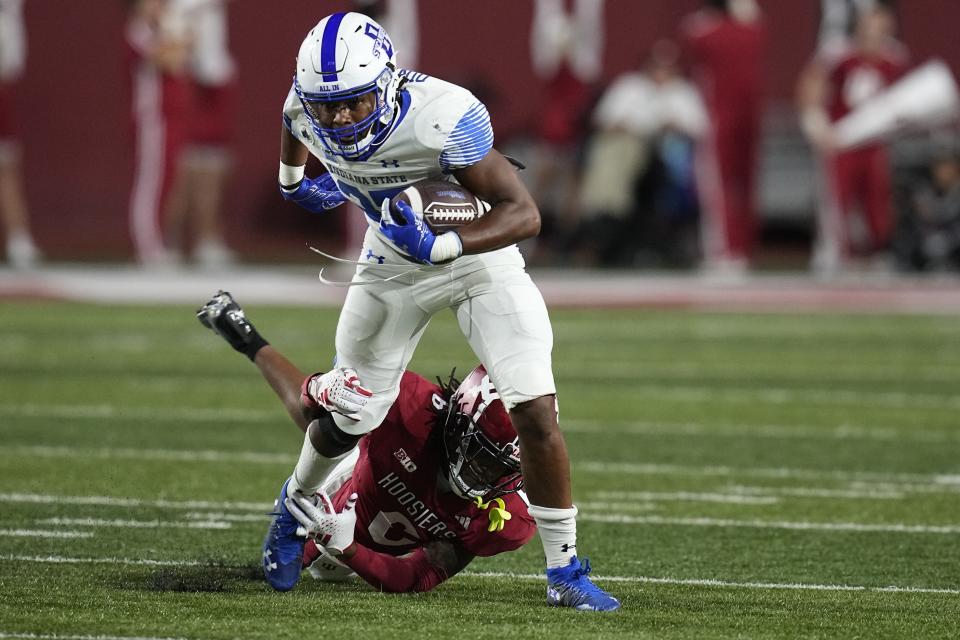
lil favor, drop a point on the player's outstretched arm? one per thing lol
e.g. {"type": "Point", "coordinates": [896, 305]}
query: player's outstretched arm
{"type": "Point", "coordinates": [419, 571]}
{"type": "Point", "coordinates": [308, 400]}
{"type": "Point", "coordinates": [224, 316]}
{"type": "Point", "coordinates": [514, 215]}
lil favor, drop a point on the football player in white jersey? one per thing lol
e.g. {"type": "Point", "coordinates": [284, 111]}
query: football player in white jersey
{"type": "Point", "coordinates": [377, 129]}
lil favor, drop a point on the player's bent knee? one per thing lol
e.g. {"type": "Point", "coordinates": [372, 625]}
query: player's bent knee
{"type": "Point", "coordinates": [536, 418]}
{"type": "Point", "coordinates": [328, 439]}
{"type": "Point", "coordinates": [372, 414]}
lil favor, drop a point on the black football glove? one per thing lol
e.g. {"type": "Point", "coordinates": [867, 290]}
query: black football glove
{"type": "Point", "coordinates": [224, 317]}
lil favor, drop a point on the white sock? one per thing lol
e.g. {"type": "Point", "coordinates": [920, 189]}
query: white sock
{"type": "Point", "coordinates": [558, 533]}
{"type": "Point", "coordinates": [312, 469]}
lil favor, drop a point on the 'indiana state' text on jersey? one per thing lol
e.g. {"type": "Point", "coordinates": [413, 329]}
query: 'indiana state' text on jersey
{"type": "Point", "coordinates": [439, 128]}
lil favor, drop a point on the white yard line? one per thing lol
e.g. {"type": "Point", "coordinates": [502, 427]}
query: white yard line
{"type": "Point", "coordinates": [120, 561]}
{"type": "Point", "coordinates": [44, 533]}
{"type": "Point", "coordinates": [893, 527]}
{"type": "Point", "coordinates": [680, 370]}
{"type": "Point", "coordinates": [135, 524]}
{"type": "Point", "coordinates": [773, 431]}
{"type": "Point", "coordinates": [743, 492]}
{"type": "Point", "coordinates": [780, 396]}
{"type": "Point", "coordinates": [692, 429]}
{"type": "Point", "coordinates": [700, 582]}
{"type": "Point", "coordinates": [708, 582]}
{"type": "Point", "coordinates": [227, 517]}
{"type": "Point", "coordinates": [108, 501]}
{"type": "Point", "coordinates": [946, 481]}
{"type": "Point", "coordinates": [172, 455]}
{"type": "Point", "coordinates": [816, 492]}
{"type": "Point", "coordinates": [591, 511]}
{"type": "Point", "coordinates": [170, 414]}
{"type": "Point", "coordinates": [677, 496]}
{"type": "Point", "coordinates": [617, 507]}
{"type": "Point", "coordinates": [57, 636]}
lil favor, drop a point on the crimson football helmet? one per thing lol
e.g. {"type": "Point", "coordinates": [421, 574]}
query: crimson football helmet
{"type": "Point", "coordinates": [481, 445]}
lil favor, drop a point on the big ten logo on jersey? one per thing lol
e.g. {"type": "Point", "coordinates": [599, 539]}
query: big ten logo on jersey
{"type": "Point", "coordinates": [380, 40]}
{"type": "Point", "coordinates": [405, 460]}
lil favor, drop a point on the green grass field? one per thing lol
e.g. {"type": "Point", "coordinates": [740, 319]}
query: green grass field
{"type": "Point", "coordinates": [737, 475]}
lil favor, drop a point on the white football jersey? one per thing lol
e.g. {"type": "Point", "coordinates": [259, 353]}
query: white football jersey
{"type": "Point", "coordinates": [430, 111]}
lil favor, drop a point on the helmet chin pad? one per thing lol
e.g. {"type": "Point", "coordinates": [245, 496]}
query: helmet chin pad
{"type": "Point", "coordinates": [353, 140]}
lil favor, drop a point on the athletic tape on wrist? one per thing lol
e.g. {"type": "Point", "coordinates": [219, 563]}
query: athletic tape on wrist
{"type": "Point", "coordinates": [290, 176]}
{"type": "Point", "coordinates": [446, 247]}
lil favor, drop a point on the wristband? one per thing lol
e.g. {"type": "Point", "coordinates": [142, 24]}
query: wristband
{"type": "Point", "coordinates": [446, 247]}
{"type": "Point", "coordinates": [254, 344]}
{"type": "Point", "coordinates": [290, 176]}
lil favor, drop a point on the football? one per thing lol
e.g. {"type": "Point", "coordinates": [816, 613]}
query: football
{"type": "Point", "coordinates": [445, 205]}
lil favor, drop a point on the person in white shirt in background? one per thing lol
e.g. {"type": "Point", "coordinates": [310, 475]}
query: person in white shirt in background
{"type": "Point", "coordinates": [640, 112]}
{"type": "Point", "coordinates": [22, 252]}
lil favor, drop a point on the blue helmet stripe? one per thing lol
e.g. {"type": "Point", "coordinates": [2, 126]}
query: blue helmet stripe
{"type": "Point", "coordinates": [328, 47]}
{"type": "Point", "coordinates": [469, 141]}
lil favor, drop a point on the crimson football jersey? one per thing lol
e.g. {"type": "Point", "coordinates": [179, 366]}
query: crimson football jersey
{"type": "Point", "coordinates": [400, 506]}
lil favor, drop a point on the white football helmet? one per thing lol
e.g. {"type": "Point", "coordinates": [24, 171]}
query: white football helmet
{"type": "Point", "coordinates": [345, 56]}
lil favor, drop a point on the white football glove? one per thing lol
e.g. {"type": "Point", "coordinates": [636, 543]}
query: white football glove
{"type": "Point", "coordinates": [333, 531]}
{"type": "Point", "coordinates": [339, 391]}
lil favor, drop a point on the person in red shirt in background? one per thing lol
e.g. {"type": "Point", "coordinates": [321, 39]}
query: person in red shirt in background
{"type": "Point", "coordinates": [22, 253]}
{"type": "Point", "coordinates": [157, 50]}
{"type": "Point", "coordinates": [725, 43]}
{"type": "Point", "coordinates": [434, 486]}
{"type": "Point", "coordinates": [840, 78]}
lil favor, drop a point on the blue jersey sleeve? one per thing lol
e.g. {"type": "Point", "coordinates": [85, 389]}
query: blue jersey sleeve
{"type": "Point", "coordinates": [469, 141]}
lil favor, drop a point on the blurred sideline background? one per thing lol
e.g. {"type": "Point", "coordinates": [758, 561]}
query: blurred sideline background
{"type": "Point", "coordinates": [73, 121]}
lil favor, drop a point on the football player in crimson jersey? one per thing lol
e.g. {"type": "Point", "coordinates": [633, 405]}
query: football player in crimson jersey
{"type": "Point", "coordinates": [437, 484]}
{"type": "Point", "coordinates": [842, 77]}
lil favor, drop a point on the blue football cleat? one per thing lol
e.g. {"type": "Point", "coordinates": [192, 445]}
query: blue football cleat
{"type": "Point", "coordinates": [569, 586]}
{"type": "Point", "coordinates": [283, 548]}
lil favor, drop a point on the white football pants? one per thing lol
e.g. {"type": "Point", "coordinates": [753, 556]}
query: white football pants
{"type": "Point", "coordinates": [499, 309]}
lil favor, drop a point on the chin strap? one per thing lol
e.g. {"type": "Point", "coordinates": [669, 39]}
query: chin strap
{"type": "Point", "coordinates": [498, 514]}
